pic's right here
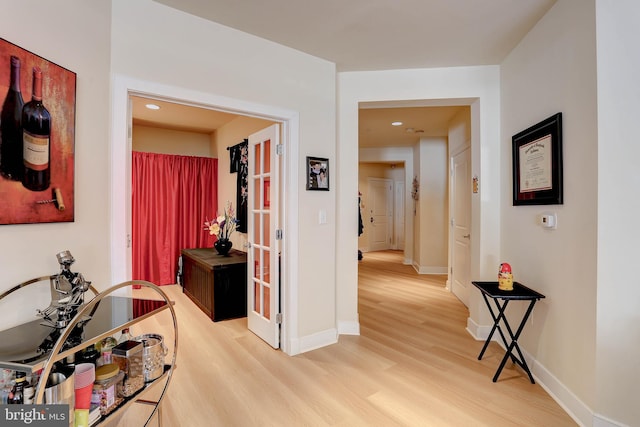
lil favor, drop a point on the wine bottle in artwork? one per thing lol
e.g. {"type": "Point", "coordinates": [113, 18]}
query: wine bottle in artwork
{"type": "Point", "coordinates": [11, 165]}
{"type": "Point", "coordinates": [36, 132]}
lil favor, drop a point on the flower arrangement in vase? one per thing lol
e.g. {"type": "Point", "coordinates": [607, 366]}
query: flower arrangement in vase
{"type": "Point", "coordinates": [222, 227]}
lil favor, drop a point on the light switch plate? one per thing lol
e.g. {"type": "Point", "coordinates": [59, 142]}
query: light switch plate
{"type": "Point", "coordinates": [322, 217]}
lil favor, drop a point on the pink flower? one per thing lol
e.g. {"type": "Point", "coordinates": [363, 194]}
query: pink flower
{"type": "Point", "coordinates": [223, 225]}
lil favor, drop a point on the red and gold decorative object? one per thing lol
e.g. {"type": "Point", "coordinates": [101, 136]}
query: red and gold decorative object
{"type": "Point", "coordinates": [505, 277]}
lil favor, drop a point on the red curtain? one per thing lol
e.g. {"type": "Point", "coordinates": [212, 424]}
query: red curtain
{"type": "Point", "coordinates": [171, 196]}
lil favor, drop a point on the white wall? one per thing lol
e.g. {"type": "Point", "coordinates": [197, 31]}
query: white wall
{"type": "Point", "coordinates": [553, 70]}
{"type": "Point", "coordinates": [433, 207]}
{"type": "Point", "coordinates": [202, 59]}
{"type": "Point", "coordinates": [74, 35]}
{"type": "Point", "coordinates": [164, 141]}
{"type": "Point", "coordinates": [474, 86]}
{"type": "Point", "coordinates": [617, 381]}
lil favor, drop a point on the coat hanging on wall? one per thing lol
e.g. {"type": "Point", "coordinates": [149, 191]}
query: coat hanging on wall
{"type": "Point", "coordinates": [234, 158]}
{"type": "Point", "coordinates": [238, 163]}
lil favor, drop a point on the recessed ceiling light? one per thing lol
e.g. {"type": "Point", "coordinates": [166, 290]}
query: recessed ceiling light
{"type": "Point", "coordinates": [396, 123]}
{"type": "Point", "coordinates": [152, 106]}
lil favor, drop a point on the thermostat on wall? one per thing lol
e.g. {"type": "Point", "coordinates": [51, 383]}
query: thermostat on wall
{"type": "Point", "coordinates": [548, 220]}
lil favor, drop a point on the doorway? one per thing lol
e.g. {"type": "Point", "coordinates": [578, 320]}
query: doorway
{"type": "Point", "coordinates": [420, 127]}
{"type": "Point", "coordinates": [123, 88]}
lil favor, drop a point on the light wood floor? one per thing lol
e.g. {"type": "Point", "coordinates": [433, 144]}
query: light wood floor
{"type": "Point", "coordinates": [413, 365]}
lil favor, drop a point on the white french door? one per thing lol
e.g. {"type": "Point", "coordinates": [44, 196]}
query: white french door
{"type": "Point", "coordinates": [263, 268]}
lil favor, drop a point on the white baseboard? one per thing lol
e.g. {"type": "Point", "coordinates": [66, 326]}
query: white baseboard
{"type": "Point", "coordinates": [478, 332]}
{"type": "Point", "coordinates": [314, 341]}
{"type": "Point", "coordinates": [576, 409]}
{"type": "Point", "coordinates": [429, 270]}
{"type": "Point", "coordinates": [348, 327]}
{"type": "Point", "coordinates": [564, 397]}
{"type": "Point", "coordinates": [602, 421]}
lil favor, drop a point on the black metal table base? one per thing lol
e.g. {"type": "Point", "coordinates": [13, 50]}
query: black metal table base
{"type": "Point", "coordinates": [514, 338]}
{"type": "Point", "coordinates": [522, 293]}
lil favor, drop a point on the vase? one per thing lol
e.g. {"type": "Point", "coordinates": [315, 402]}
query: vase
{"type": "Point", "coordinates": [223, 246]}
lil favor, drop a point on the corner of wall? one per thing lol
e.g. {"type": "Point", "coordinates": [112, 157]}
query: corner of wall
{"type": "Point", "coordinates": [348, 327]}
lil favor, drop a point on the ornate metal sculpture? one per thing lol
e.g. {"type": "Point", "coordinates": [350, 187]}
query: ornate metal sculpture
{"type": "Point", "coordinates": [67, 294]}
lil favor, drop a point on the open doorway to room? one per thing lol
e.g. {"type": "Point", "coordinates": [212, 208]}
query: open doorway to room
{"type": "Point", "coordinates": [259, 115]}
{"type": "Point", "coordinates": [175, 133]}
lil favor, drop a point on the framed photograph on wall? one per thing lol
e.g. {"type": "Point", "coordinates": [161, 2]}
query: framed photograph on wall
{"type": "Point", "coordinates": [537, 164]}
{"type": "Point", "coordinates": [37, 137]}
{"type": "Point", "coordinates": [317, 173]}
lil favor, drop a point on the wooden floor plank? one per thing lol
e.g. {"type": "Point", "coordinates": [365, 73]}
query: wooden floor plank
{"type": "Point", "coordinates": [414, 364]}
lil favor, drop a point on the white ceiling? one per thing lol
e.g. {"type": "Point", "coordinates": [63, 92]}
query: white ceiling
{"type": "Point", "coordinates": [367, 35]}
{"type": "Point", "coordinates": [361, 35]}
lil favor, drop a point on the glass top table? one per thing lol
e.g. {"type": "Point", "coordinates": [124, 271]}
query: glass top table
{"type": "Point", "coordinates": [27, 346]}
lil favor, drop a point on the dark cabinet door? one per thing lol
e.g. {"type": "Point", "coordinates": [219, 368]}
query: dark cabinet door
{"type": "Point", "coordinates": [230, 291]}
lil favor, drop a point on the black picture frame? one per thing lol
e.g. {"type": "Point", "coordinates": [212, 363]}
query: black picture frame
{"type": "Point", "coordinates": [317, 174]}
{"type": "Point", "coordinates": [537, 164]}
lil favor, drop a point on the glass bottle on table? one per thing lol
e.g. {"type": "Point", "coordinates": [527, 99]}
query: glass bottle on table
{"type": "Point", "coordinates": [105, 347]}
{"type": "Point", "coordinates": [125, 336]}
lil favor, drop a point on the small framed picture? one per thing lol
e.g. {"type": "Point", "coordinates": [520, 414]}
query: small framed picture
{"type": "Point", "coordinates": [317, 174]}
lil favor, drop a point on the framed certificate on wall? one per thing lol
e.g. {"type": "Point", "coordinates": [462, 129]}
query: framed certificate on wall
{"type": "Point", "coordinates": [537, 163]}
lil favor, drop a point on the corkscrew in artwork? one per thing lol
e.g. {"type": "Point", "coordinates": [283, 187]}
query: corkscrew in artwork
{"type": "Point", "coordinates": [37, 138]}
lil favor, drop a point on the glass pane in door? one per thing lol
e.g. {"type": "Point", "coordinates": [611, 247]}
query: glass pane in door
{"type": "Point", "coordinates": [267, 159]}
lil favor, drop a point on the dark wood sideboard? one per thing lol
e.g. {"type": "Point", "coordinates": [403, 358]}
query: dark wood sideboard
{"type": "Point", "coordinates": [217, 284]}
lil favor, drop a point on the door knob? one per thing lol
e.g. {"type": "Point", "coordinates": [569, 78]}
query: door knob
{"type": "Point", "coordinates": [466, 236]}
{"type": "Point", "coordinates": [371, 219]}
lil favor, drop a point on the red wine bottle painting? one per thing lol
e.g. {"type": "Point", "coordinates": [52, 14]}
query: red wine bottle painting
{"type": "Point", "coordinates": [37, 138]}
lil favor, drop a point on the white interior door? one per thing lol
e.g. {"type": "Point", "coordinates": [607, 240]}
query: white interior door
{"type": "Point", "coordinates": [461, 224]}
{"type": "Point", "coordinates": [263, 268]}
{"type": "Point", "coordinates": [380, 201]}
